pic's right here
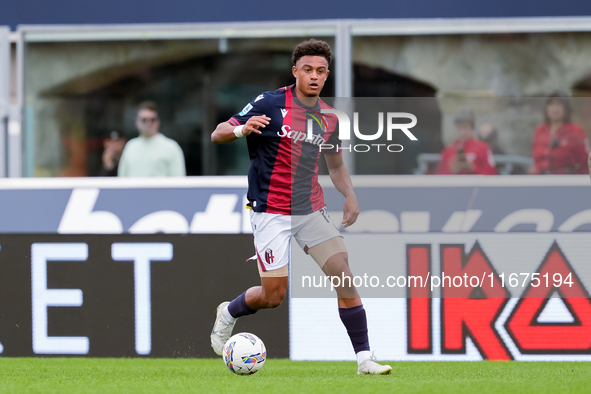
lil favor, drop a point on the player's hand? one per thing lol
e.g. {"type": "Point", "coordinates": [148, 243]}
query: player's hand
{"type": "Point", "coordinates": [255, 123]}
{"type": "Point", "coordinates": [350, 210]}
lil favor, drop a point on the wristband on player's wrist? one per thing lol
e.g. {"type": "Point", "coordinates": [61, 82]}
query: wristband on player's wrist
{"type": "Point", "coordinates": [238, 131]}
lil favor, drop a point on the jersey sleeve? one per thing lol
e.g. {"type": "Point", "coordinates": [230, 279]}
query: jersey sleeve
{"type": "Point", "coordinates": [257, 107]}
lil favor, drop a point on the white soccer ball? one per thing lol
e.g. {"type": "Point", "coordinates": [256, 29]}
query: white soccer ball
{"type": "Point", "coordinates": [244, 353]}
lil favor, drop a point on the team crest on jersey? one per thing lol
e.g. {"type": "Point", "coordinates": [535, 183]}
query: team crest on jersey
{"type": "Point", "coordinates": [269, 258]}
{"type": "Point", "coordinates": [246, 109]}
{"type": "Point", "coordinates": [320, 120]}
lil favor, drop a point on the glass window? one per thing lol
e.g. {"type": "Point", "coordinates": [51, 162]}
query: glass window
{"type": "Point", "coordinates": [78, 93]}
{"type": "Point", "coordinates": [489, 74]}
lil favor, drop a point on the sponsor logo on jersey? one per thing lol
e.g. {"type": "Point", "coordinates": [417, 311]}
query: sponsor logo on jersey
{"type": "Point", "coordinates": [298, 136]}
{"type": "Point", "coordinates": [284, 112]}
{"type": "Point", "coordinates": [259, 97]}
{"type": "Point", "coordinates": [246, 109]}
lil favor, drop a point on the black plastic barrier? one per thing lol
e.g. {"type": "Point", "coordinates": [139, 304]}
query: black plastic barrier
{"type": "Point", "coordinates": [126, 295]}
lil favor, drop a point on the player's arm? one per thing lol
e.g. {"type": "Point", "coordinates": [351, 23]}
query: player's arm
{"type": "Point", "coordinates": [226, 132]}
{"type": "Point", "coordinates": [339, 175]}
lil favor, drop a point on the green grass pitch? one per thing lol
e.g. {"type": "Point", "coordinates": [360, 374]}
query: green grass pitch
{"type": "Point", "coordinates": [91, 375]}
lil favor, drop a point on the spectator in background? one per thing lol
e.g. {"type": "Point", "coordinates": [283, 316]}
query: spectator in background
{"type": "Point", "coordinates": [489, 134]}
{"type": "Point", "coordinates": [559, 146]}
{"type": "Point", "coordinates": [151, 154]}
{"type": "Point", "coordinates": [466, 155]}
{"type": "Point", "coordinates": [112, 154]}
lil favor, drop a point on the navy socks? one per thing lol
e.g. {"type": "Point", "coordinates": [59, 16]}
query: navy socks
{"type": "Point", "coordinates": [354, 319]}
{"type": "Point", "coordinates": [355, 322]}
{"type": "Point", "coordinates": [239, 308]}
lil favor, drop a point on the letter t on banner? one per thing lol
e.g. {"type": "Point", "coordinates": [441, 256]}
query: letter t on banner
{"type": "Point", "coordinates": [141, 254]}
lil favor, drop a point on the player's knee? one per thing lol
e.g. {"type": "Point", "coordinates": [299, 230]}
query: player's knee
{"type": "Point", "coordinates": [274, 303]}
{"type": "Point", "coordinates": [274, 300]}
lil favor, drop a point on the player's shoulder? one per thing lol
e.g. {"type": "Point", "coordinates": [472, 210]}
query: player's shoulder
{"type": "Point", "coordinates": [323, 104]}
{"type": "Point", "coordinates": [265, 101]}
{"type": "Point", "coordinates": [272, 95]}
{"type": "Point", "coordinates": [331, 119]}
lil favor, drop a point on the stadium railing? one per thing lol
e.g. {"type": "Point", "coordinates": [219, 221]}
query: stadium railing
{"type": "Point", "coordinates": [505, 163]}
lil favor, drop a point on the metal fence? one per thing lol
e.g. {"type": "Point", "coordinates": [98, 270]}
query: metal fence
{"type": "Point", "coordinates": [4, 95]}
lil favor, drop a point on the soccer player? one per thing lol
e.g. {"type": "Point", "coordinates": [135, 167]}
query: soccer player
{"type": "Point", "coordinates": [287, 201]}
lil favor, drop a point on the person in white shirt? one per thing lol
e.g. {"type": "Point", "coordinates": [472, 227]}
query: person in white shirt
{"type": "Point", "coordinates": [151, 154]}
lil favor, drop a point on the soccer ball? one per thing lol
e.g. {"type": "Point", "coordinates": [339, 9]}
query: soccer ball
{"type": "Point", "coordinates": [244, 353]}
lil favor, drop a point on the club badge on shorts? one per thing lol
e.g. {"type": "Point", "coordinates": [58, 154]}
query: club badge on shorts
{"type": "Point", "coordinates": [269, 256]}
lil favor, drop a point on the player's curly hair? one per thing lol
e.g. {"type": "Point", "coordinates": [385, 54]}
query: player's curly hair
{"type": "Point", "coordinates": [312, 47]}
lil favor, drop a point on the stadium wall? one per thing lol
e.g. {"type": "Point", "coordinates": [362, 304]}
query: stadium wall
{"type": "Point", "coordinates": [183, 11]}
{"type": "Point", "coordinates": [112, 267]}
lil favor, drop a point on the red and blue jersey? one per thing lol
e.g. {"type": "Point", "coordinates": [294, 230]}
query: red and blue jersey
{"type": "Point", "coordinates": [283, 175]}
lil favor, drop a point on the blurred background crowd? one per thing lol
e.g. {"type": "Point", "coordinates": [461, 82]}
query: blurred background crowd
{"type": "Point", "coordinates": [504, 103]}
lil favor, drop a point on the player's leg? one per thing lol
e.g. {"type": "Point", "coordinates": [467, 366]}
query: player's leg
{"type": "Point", "coordinates": [268, 295]}
{"type": "Point", "coordinates": [334, 261]}
{"type": "Point", "coordinates": [272, 235]}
